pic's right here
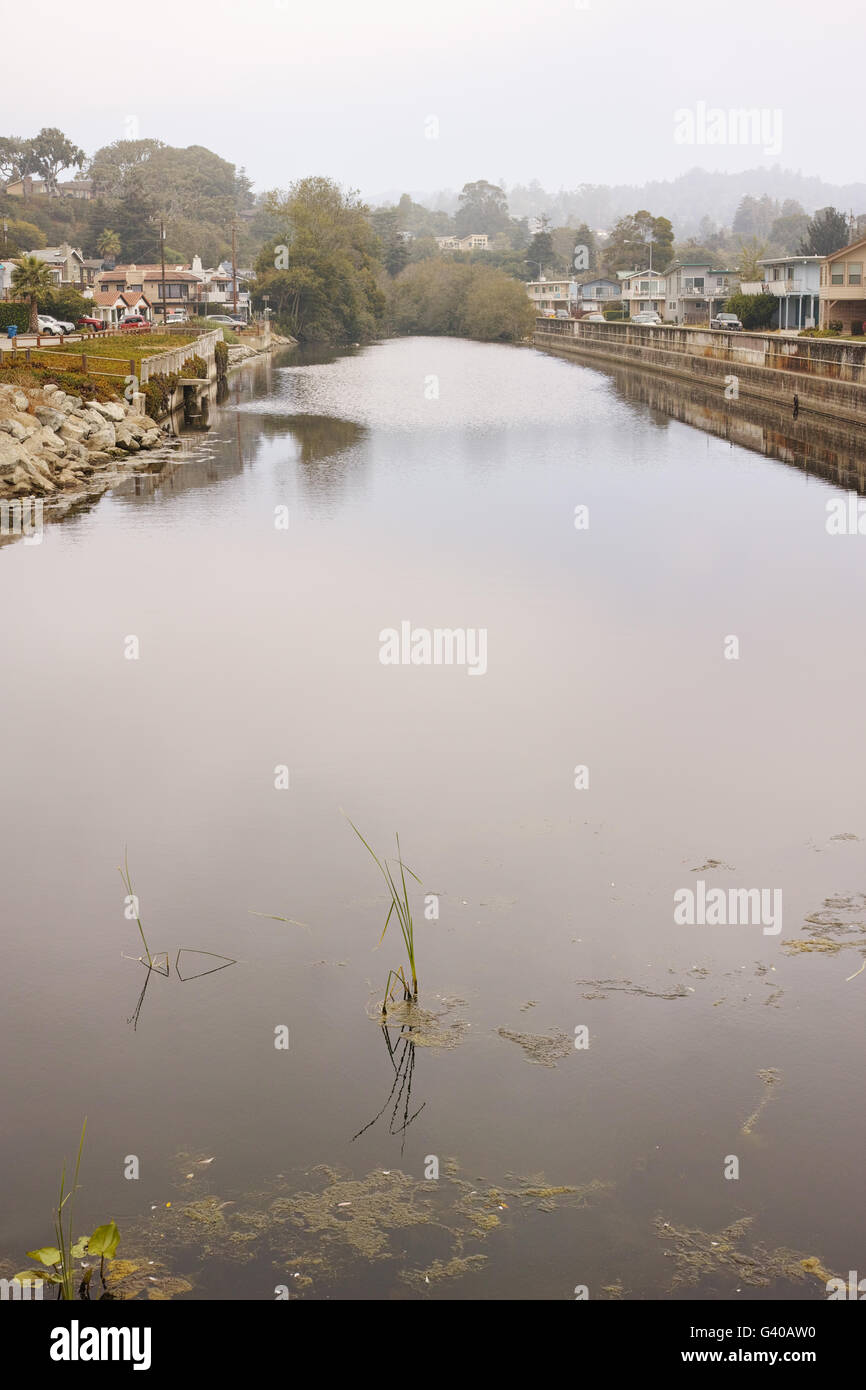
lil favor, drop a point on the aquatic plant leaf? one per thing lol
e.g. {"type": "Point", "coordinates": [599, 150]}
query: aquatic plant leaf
{"type": "Point", "coordinates": [79, 1249]}
{"type": "Point", "coordinates": [48, 1255]}
{"type": "Point", "coordinates": [28, 1275]}
{"type": "Point", "coordinates": [194, 951]}
{"type": "Point", "coordinates": [105, 1240]}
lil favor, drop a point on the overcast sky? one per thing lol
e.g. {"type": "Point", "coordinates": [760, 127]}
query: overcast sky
{"type": "Point", "coordinates": [386, 96]}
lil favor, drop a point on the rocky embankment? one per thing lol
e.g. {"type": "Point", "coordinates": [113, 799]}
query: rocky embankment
{"type": "Point", "coordinates": [242, 352]}
{"type": "Point", "coordinates": [51, 442]}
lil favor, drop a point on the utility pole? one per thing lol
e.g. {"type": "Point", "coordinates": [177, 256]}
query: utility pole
{"type": "Point", "coordinates": [235, 268]}
{"type": "Point", "coordinates": [162, 253]}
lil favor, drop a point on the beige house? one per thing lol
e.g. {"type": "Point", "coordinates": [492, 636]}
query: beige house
{"type": "Point", "coordinates": [842, 297]}
{"type": "Point", "coordinates": [476, 241]}
{"type": "Point", "coordinates": [65, 263]}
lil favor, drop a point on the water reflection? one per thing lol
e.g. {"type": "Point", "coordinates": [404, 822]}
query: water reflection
{"type": "Point", "coordinates": [830, 451]}
{"type": "Point", "coordinates": [401, 1054]}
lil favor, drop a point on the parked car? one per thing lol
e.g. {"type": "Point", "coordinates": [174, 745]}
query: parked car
{"type": "Point", "coordinates": [226, 320]}
{"type": "Point", "coordinates": [134, 321]}
{"type": "Point", "coordinates": [66, 325]}
{"type": "Point", "coordinates": [648, 317]}
{"type": "Point", "coordinates": [180, 316]}
{"type": "Point", "coordinates": [49, 326]}
{"type": "Point", "coordinates": [90, 324]}
{"type": "Point", "coordinates": [593, 318]}
{"type": "Point", "coordinates": [563, 314]}
{"type": "Point", "coordinates": [729, 321]}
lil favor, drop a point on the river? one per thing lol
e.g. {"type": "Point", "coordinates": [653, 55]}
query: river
{"type": "Point", "coordinates": [192, 669]}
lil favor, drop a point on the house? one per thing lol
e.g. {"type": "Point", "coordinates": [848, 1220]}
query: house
{"type": "Point", "coordinates": [550, 295]}
{"type": "Point", "coordinates": [695, 292]}
{"type": "Point", "coordinates": [27, 187]}
{"type": "Point", "coordinates": [642, 290]}
{"type": "Point", "coordinates": [92, 268]}
{"type": "Point", "coordinates": [842, 298]}
{"type": "Point", "coordinates": [76, 188]}
{"type": "Point", "coordinates": [796, 281]}
{"type": "Point", "coordinates": [65, 263]}
{"type": "Point", "coordinates": [596, 294]}
{"type": "Point", "coordinates": [475, 241]}
{"type": "Point", "coordinates": [180, 285]}
{"type": "Point", "coordinates": [113, 305]}
{"type": "Point", "coordinates": [6, 269]}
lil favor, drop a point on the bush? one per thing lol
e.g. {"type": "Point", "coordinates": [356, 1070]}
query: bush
{"type": "Point", "coordinates": [221, 353]}
{"type": "Point", "coordinates": [14, 313]}
{"type": "Point", "coordinates": [89, 388]}
{"type": "Point", "coordinates": [753, 310]}
{"type": "Point", "coordinates": [856, 330]}
{"type": "Point", "coordinates": [158, 391]}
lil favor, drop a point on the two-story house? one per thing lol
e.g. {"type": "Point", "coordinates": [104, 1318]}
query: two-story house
{"type": "Point", "coordinates": [475, 241]}
{"type": "Point", "coordinates": [642, 290]}
{"type": "Point", "coordinates": [550, 295]}
{"type": "Point", "coordinates": [796, 282]}
{"type": "Point", "coordinates": [695, 291]}
{"type": "Point", "coordinates": [842, 297]}
{"type": "Point", "coordinates": [65, 263]}
{"type": "Point", "coordinates": [180, 285]}
{"type": "Point", "coordinates": [597, 294]}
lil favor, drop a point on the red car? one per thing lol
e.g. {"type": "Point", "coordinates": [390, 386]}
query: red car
{"type": "Point", "coordinates": [95, 325]}
{"type": "Point", "coordinates": [135, 321]}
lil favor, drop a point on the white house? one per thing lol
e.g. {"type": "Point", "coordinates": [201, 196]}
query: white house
{"type": "Point", "coordinates": [550, 295]}
{"type": "Point", "coordinates": [642, 290]}
{"type": "Point", "coordinates": [796, 281]}
{"type": "Point", "coordinates": [695, 292]}
{"type": "Point", "coordinates": [476, 241]}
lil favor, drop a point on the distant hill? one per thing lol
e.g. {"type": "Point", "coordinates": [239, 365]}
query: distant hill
{"type": "Point", "coordinates": [685, 200]}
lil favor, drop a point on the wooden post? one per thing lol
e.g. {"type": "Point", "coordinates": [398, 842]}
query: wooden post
{"type": "Point", "coordinates": [27, 356]}
{"type": "Point", "coordinates": [84, 361]}
{"type": "Point", "coordinates": [132, 371]}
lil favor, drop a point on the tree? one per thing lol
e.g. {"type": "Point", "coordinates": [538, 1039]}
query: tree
{"type": "Point", "coordinates": [11, 156]}
{"type": "Point", "coordinates": [483, 207]}
{"type": "Point", "coordinates": [827, 232]}
{"type": "Point", "coordinates": [460, 298]}
{"type": "Point", "coordinates": [108, 244]}
{"type": "Point", "coordinates": [634, 238]}
{"type": "Point", "coordinates": [21, 237]}
{"type": "Point", "coordinates": [49, 153]}
{"type": "Point", "coordinates": [497, 308]}
{"type": "Point", "coordinates": [583, 237]}
{"type": "Point", "coordinates": [320, 273]}
{"type": "Point", "coordinates": [112, 164]}
{"type": "Point", "coordinates": [31, 280]}
{"type": "Point", "coordinates": [753, 310]}
{"type": "Point", "coordinates": [755, 216]}
{"type": "Point", "coordinates": [750, 255]}
{"type": "Point", "coordinates": [541, 253]}
{"type": "Point", "coordinates": [790, 228]}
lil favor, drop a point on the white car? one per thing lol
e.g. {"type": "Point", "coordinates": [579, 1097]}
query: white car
{"type": "Point", "coordinates": [648, 317]}
{"type": "Point", "coordinates": [50, 326]}
{"type": "Point", "coordinates": [226, 321]}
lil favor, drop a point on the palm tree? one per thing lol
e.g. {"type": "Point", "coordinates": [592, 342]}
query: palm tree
{"type": "Point", "coordinates": [108, 245]}
{"type": "Point", "coordinates": [30, 279]}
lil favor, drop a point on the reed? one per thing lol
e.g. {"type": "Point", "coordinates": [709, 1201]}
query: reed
{"type": "Point", "coordinates": [401, 907]}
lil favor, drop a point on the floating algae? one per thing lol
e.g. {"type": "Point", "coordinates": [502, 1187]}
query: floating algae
{"type": "Point", "coordinates": [712, 864]}
{"type": "Point", "coordinates": [697, 1254]}
{"type": "Point", "coordinates": [840, 923]}
{"type": "Point", "coordinates": [543, 1050]}
{"type": "Point", "coordinates": [440, 1270]}
{"type": "Point", "coordinates": [770, 1076]}
{"type": "Point", "coordinates": [603, 987]}
{"type": "Point", "coordinates": [423, 1027]}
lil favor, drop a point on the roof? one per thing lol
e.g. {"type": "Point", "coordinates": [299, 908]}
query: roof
{"type": "Point", "coordinates": [789, 260]}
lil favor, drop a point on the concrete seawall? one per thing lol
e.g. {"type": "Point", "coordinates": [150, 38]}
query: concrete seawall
{"type": "Point", "coordinates": [828, 376]}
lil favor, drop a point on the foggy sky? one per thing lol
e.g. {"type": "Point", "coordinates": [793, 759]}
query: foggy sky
{"type": "Point", "coordinates": [516, 90]}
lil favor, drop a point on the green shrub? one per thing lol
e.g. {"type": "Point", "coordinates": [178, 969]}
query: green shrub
{"type": "Point", "coordinates": [221, 353]}
{"type": "Point", "coordinates": [195, 366]}
{"type": "Point", "coordinates": [158, 391]}
{"type": "Point", "coordinates": [14, 313]}
{"type": "Point", "coordinates": [89, 388]}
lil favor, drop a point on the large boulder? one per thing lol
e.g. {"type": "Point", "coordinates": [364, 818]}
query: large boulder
{"type": "Point", "coordinates": [47, 415]}
{"type": "Point", "coordinates": [103, 438]}
{"type": "Point", "coordinates": [111, 410]}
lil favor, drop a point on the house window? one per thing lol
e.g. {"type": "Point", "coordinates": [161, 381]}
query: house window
{"type": "Point", "coordinates": [855, 272]}
{"type": "Point", "coordinates": [837, 275]}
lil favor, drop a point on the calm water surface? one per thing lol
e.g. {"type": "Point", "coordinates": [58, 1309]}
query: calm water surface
{"type": "Point", "coordinates": [435, 482]}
